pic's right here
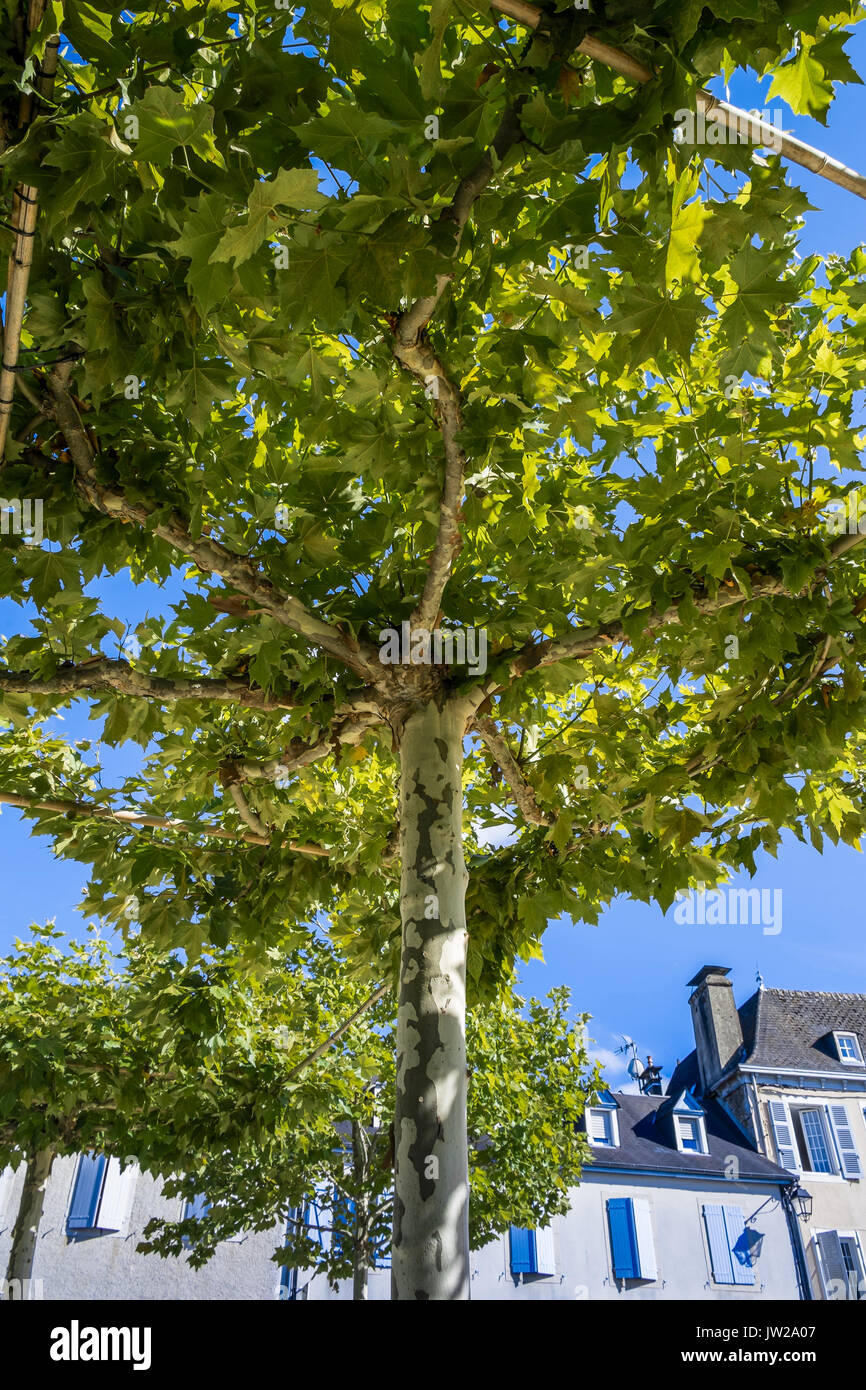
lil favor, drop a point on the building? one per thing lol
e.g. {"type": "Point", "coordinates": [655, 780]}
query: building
{"type": "Point", "coordinates": [677, 1204]}
{"type": "Point", "coordinates": [741, 1180]}
{"type": "Point", "coordinates": [788, 1067]}
{"type": "Point", "coordinates": [93, 1218]}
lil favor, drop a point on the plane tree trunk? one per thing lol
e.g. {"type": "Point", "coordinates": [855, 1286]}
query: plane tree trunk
{"type": "Point", "coordinates": [430, 1256]}
{"type": "Point", "coordinates": [25, 1232]}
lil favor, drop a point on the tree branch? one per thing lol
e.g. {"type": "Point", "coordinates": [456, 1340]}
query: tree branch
{"type": "Point", "coordinates": [583, 641]}
{"type": "Point", "coordinates": [132, 818]}
{"type": "Point", "coordinates": [415, 354]}
{"type": "Point", "coordinates": [208, 555]}
{"type": "Point", "coordinates": [348, 730]}
{"type": "Point", "coordinates": [734, 119]}
{"type": "Point", "coordinates": [422, 362]}
{"type": "Point", "coordinates": [106, 674]}
{"type": "Point", "coordinates": [246, 812]}
{"type": "Point", "coordinates": [524, 793]}
{"type": "Point", "coordinates": [412, 324]}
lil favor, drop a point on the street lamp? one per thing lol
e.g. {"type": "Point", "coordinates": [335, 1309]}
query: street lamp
{"type": "Point", "coordinates": [800, 1200]}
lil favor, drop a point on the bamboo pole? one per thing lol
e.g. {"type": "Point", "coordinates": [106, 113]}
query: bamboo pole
{"type": "Point", "coordinates": [731, 117]}
{"type": "Point", "coordinates": [25, 204]}
{"type": "Point", "coordinates": [338, 1032]}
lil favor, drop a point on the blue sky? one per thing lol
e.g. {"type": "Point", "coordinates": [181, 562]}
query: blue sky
{"type": "Point", "coordinates": [630, 972]}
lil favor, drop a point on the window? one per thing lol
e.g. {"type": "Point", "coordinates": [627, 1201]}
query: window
{"type": "Point", "coordinates": [689, 1126]}
{"type": "Point", "coordinates": [315, 1229]}
{"type": "Point", "coordinates": [729, 1244]}
{"type": "Point", "coordinates": [601, 1128]}
{"type": "Point", "coordinates": [689, 1135]}
{"type": "Point", "coordinates": [196, 1209]}
{"type": "Point", "coordinates": [631, 1238]}
{"type": "Point", "coordinates": [814, 1135]}
{"type": "Point", "coordinates": [343, 1223]}
{"type": "Point", "coordinates": [531, 1252]}
{"type": "Point", "coordinates": [101, 1195]}
{"type": "Point", "coordinates": [849, 1246]}
{"type": "Point", "coordinates": [815, 1139]}
{"type": "Point", "coordinates": [848, 1048]}
{"type": "Point", "coordinates": [840, 1263]}
{"type": "Point", "coordinates": [602, 1122]}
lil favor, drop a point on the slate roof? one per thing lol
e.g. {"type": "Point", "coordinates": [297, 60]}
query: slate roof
{"type": "Point", "coordinates": [789, 1028]}
{"type": "Point", "coordinates": [646, 1141]}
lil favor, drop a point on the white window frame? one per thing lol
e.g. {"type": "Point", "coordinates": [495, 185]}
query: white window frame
{"type": "Point", "coordinates": [611, 1119]}
{"type": "Point", "coordinates": [690, 1118]}
{"type": "Point", "coordinates": [819, 1109]}
{"type": "Point", "coordinates": [856, 1061]}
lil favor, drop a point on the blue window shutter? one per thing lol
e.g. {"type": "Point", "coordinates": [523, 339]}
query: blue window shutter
{"type": "Point", "coordinates": [86, 1192]}
{"type": "Point", "coordinates": [522, 1243]}
{"type": "Point", "coordinates": [720, 1250]}
{"type": "Point", "coordinates": [739, 1246]}
{"type": "Point", "coordinates": [623, 1238]}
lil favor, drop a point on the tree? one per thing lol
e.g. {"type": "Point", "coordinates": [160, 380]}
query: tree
{"type": "Point", "coordinates": [331, 1171]}
{"type": "Point", "coordinates": [490, 416]}
{"type": "Point", "coordinates": [162, 1061]}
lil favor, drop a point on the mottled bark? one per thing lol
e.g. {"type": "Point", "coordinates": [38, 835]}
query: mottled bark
{"type": "Point", "coordinates": [430, 1255]}
{"type": "Point", "coordinates": [26, 1229]}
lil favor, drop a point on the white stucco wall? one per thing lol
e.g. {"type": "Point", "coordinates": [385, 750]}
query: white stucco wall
{"type": "Point", "coordinates": [838, 1203]}
{"type": "Point", "coordinates": [107, 1266]}
{"type": "Point", "coordinates": [582, 1249]}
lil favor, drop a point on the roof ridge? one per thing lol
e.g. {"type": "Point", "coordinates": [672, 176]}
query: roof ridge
{"type": "Point", "coordinates": [815, 993]}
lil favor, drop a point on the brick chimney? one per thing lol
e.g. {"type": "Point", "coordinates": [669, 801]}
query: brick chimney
{"type": "Point", "coordinates": [718, 1034]}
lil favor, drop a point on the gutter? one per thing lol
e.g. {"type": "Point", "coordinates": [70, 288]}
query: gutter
{"type": "Point", "coordinates": [591, 1168]}
{"type": "Point", "coordinates": [802, 1071]}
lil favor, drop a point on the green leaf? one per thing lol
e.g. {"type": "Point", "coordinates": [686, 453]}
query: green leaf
{"type": "Point", "coordinates": [803, 83]}
{"type": "Point", "coordinates": [167, 123]}
{"type": "Point", "coordinates": [292, 188]}
{"type": "Point", "coordinates": [202, 231]}
{"type": "Point", "coordinates": [682, 263]}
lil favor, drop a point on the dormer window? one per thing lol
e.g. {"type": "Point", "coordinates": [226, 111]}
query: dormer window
{"type": "Point", "coordinates": [602, 1128]}
{"type": "Point", "coordinates": [848, 1049]}
{"type": "Point", "coordinates": [689, 1127]}
{"type": "Point", "coordinates": [688, 1134]}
